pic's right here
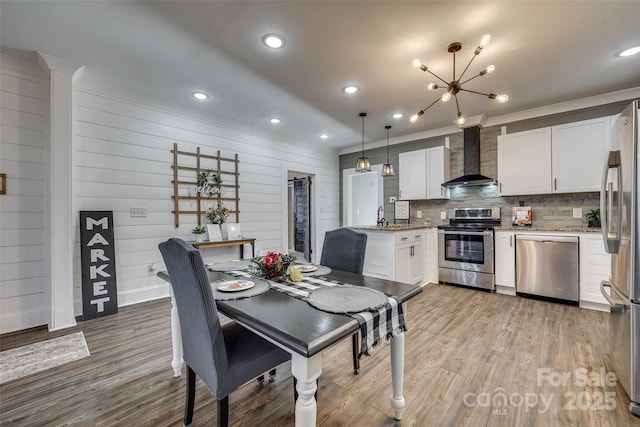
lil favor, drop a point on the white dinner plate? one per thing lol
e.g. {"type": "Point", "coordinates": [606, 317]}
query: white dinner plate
{"type": "Point", "coordinates": [308, 268]}
{"type": "Point", "coordinates": [235, 285]}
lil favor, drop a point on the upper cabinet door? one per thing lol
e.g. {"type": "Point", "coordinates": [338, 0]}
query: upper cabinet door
{"type": "Point", "coordinates": [578, 155]}
{"type": "Point", "coordinates": [437, 172]}
{"type": "Point", "coordinates": [413, 175]}
{"type": "Point", "coordinates": [524, 162]}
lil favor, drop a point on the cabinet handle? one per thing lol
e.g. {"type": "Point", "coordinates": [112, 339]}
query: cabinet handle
{"type": "Point", "coordinates": [500, 187]}
{"type": "Point", "coordinates": [510, 241]}
{"type": "Point", "coordinates": [441, 191]}
{"type": "Point", "coordinates": [404, 238]}
{"type": "Point", "coordinates": [417, 236]}
{"type": "Point", "coordinates": [555, 183]}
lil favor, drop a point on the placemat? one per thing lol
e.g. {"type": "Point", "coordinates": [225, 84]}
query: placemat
{"type": "Point", "coordinates": [347, 299]}
{"type": "Point", "coordinates": [261, 287]}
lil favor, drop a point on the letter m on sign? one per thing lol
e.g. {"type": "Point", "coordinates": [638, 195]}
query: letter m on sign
{"type": "Point", "coordinates": [98, 264]}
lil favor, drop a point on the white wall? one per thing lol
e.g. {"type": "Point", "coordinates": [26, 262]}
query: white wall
{"type": "Point", "coordinates": [122, 146]}
{"type": "Point", "coordinates": [24, 294]}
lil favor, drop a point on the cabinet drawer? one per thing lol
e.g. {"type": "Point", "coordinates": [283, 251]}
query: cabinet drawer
{"type": "Point", "coordinates": [408, 236]}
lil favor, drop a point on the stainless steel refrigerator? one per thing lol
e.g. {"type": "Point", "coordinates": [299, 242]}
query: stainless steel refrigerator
{"type": "Point", "coordinates": [620, 219]}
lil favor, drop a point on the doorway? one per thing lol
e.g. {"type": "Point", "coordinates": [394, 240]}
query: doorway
{"type": "Point", "coordinates": [299, 215]}
{"type": "Point", "coordinates": [362, 196]}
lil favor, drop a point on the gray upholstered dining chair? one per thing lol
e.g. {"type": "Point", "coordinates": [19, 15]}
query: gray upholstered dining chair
{"type": "Point", "coordinates": [344, 250]}
{"type": "Point", "coordinates": [224, 357]}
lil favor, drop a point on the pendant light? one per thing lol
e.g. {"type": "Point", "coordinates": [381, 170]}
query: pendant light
{"type": "Point", "coordinates": [387, 168]}
{"type": "Point", "coordinates": [363, 164]}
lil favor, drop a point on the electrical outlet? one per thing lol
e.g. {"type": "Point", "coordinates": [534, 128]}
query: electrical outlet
{"type": "Point", "coordinates": [443, 214]}
{"type": "Point", "coordinates": [392, 199]}
{"type": "Point", "coordinates": [418, 214]}
{"type": "Point", "coordinates": [138, 212]}
{"type": "Point", "coordinates": [577, 212]}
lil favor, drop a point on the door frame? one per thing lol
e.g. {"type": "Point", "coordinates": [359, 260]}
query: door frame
{"type": "Point", "coordinates": [314, 201]}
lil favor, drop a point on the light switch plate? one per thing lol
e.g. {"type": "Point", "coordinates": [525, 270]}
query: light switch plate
{"type": "Point", "coordinates": [138, 212]}
{"type": "Point", "coordinates": [577, 212]}
{"type": "Point", "coordinates": [443, 214]}
{"type": "Point", "coordinates": [418, 214]}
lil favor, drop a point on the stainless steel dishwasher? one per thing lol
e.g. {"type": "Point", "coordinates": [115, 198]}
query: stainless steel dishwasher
{"type": "Point", "coordinates": [547, 266]}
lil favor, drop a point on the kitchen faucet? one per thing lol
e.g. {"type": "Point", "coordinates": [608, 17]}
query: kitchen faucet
{"type": "Point", "coordinates": [380, 221]}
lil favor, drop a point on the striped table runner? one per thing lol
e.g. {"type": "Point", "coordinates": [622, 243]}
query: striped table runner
{"type": "Point", "coordinates": [376, 325]}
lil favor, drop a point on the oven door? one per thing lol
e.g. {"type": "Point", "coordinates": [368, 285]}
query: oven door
{"type": "Point", "coordinates": [466, 250]}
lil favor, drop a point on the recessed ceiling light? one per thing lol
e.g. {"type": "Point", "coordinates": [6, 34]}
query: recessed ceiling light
{"type": "Point", "coordinates": [274, 120]}
{"type": "Point", "coordinates": [397, 115]}
{"type": "Point", "coordinates": [350, 89]}
{"type": "Point", "coordinates": [274, 41]}
{"type": "Point", "coordinates": [324, 136]}
{"type": "Point", "coordinates": [630, 51]}
{"type": "Point", "coordinates": [200, 95]}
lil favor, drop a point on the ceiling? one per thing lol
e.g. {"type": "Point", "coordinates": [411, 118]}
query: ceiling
{"type": "Point", "coordinates": [544, 53]}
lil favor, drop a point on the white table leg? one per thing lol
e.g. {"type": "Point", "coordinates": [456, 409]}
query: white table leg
{"type": "Point", "coordinates": [176, 339]}
{"type": "Point", "coordinates": [306, 371]}
{"type": "Point", "coordinates": [397, 375]}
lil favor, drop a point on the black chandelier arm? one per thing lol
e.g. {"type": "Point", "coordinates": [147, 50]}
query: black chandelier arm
{"type": "Point", "coordinates": [471, 78]}
{"type": "Point", "coordinates": [431, 105]}
{"type": "Point", "coordinates": [467, 67]}
{"type": "Point", "coordinates": [477, 93]}
{"type": "Point", "coordinates": [426, 70]}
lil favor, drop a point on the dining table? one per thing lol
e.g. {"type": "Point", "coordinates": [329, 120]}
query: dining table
{"type": "Point", "coordinates": [305, 332]}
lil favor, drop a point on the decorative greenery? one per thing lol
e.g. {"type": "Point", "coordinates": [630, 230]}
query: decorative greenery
{"type": "Point", "coordinates": [217, 215]}
{"type": "Point", "coordinates": [274, 265]}
{"type": "Point", "coordinates": [199, 229]}
{"type": "Point", "coordinates": [209, 183]}
{"type": "Point", "coordinates": [594, 218]}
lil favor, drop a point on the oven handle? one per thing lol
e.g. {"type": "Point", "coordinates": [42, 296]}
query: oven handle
{"type": "Point", "coordinates": [467, 233]}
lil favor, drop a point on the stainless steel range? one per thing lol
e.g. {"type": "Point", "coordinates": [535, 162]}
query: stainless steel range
{"type": "Point", "coordinates": [465, 247]}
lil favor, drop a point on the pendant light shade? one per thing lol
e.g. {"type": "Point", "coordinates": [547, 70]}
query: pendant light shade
{"type": "Point", "coordinates": [387, 168]}
{"type": "Point", "coordinates": [363, 164]}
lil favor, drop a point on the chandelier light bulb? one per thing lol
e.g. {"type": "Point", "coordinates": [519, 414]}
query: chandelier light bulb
{"type": "Point", "coordinates": [484, 40]}
{"type": "Point", "coordinates": [413, 118]}
{"type": "Point", "coordinates": [446, 96]}
{"type": "Point", "coordinates": [432, 86]}
{"type": "Point", "coordinates": [460, 120]}
{"type": "Point", "coordinates": [502, 98]}
{"type": "Point", "coordinates": [416, 63]}
{"type": "Point", "coordinates": [490, 69]}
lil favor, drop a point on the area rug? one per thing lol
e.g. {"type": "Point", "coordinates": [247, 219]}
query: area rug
{"type": "Point", "coordinates": [29, 359]}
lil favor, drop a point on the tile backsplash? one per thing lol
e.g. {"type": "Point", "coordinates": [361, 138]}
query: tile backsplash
{"type": "Point", "coordinates": [546, 210]}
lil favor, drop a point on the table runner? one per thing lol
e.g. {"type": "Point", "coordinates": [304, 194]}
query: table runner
{"type": "Point", "coordinates": [376, 326]}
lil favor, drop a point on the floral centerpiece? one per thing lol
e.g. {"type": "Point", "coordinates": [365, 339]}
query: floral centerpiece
{"type": "Point", "coordinates": [217, 215]}
{"type": "Point", "coordinates": [275, 265]}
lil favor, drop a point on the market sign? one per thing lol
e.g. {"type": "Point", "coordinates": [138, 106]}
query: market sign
{"type": "Point", "coordinates": [98, 259]}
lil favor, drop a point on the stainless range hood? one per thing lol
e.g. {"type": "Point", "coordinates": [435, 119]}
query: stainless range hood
{"type": "Point", "coordinates": [471, 152]}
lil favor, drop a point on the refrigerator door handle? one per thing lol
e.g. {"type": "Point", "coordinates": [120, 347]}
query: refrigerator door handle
{"type": "Point", "coordinates": [611, 245]}
{"type": "Point", "coordinates": [615, 303]}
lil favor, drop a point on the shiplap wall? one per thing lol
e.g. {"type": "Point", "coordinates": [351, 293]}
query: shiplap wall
{"type": "Point", "coordinates": [24, 294]}
{"type": "Point", "coordinates": [122, 154]}
{"type": "Point", "coordinates": [123, 160]}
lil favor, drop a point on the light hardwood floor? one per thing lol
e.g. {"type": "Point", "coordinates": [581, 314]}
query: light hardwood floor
{"type": "Point", "coordinates": [465, 351]}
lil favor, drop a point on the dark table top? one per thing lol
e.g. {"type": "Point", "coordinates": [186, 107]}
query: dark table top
{"type": "Point", "coordinates": [293, 322]}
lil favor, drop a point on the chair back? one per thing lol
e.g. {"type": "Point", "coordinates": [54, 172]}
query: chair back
{"type": "Point", "coordinates": [344, 249]}
{"type": "Point", "coordinates": [202, 339]}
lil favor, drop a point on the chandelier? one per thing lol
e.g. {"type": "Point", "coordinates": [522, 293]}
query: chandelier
{"type": "Point", "coordinates": [363, 164]}
{"type": "Point", "coordinates": [387, 168]}
{"type": "Point", "coordinates": [455, 86]}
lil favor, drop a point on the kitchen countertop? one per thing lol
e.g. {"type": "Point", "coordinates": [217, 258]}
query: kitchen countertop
{"type": "Point", "coordinates": [393, 227]}
{"type": "Point", "coordinates": [561, 228]}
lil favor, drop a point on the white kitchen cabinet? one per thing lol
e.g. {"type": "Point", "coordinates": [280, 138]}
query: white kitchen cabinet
{"type": "Point", "coordinates": [412, 175]}
{"type": "Point", "coordinates": [505, 262]}
{"type": "Point", "coordinates": [578, 153]}
{"type": "Point", "coordinates": [566, 158]}
{"type": "Point", "coordinates": [595, 266]}
{"type": "Point", "coordinates": [524, 162]}
{"type": "Point", "coordinates": [395, 255]}
{"type": "Point", "coordinates": [437, 172]}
